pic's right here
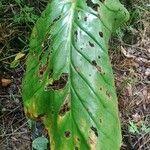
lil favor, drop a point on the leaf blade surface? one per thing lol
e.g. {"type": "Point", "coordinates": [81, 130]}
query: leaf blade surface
{"type": "Point", "coordinates": [72, 88]}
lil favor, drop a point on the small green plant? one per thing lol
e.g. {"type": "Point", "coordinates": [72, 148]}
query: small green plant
{"type": "Point", "coordinates": [145, 128]}
{"type": "Point", "coordinates": [17, 59]}
{"type": "Point", "coordinates": [40, 143]}
{"type": "Point", "coordinates": [135, 129]}
{"type": "Point", "coordinates": [25, 15]}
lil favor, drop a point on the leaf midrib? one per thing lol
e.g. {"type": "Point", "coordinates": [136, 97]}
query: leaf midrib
{"type": "Point", "coordinates": [74, 3]}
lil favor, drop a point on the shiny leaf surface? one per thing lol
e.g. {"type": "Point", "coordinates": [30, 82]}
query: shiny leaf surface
{"type": "Point", "coordinates": [69, 82]}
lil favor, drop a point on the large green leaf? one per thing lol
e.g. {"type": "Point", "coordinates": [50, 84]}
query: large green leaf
{"type": "Point", "coordinates": [69, 82]}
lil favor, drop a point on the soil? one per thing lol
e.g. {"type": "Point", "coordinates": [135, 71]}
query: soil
{"type": "Point", "coordinates": [130, 57]}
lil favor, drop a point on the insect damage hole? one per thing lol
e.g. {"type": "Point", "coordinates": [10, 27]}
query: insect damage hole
{"type": "Point", "coordinates": [65, 107]}
{"type": "Point", "coordinates": [59, 84]}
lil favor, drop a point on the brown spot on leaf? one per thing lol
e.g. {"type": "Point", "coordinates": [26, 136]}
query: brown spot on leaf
{"type": "Point", "coordinates": [42, 69]}
{"type": "Point", "coordinates": [50, 74]}
{"type": "Point", "coordinates": [67, 134]}
{"type": "Point", "coordinates": [34, 53]}
{"type": "Point", "coordinates": [85, 18]}
{"type": "Point", "coordinates": [57, 18]}
{"type": "Point", "coordinates": [98, 68]}
{"type": "Point", "coordinates": [29, 114]}
{"type": "Point", "coordinates": [59, 84]}
{"type": "Point", "coordinates": [92, 5]}
{"type": "Point", "coordinates": [108, 94]}
{"type": "Point", "coordinates": [76, 148]}
{"type": "Point", "coordinates": [101, 34]}
{"type": "Point", "coordinates": [78, 69]}
{"type": "Point", "coordinates": [94, 130]}
{"type": "Point", "coordinates": [100, 120]}
{"type": "Point", "coordinates": [91, 44]}
{"type": "Point", "coordinates": [99, 16]}
{"type": "Point", "coordinates": [65, 107]}
{"type": "Point", "coordinates": [78, 139]}
{"type": "Point", "coordinates": [76, 35]}
{"type": "Point", "coordinates": [40, 117]}
{"type": "Point", "coordinates": [102, 1]}
{"type": "Point", "coordinates": [92, 139]}
{"type": "Point", "coordinates": [94, 63]}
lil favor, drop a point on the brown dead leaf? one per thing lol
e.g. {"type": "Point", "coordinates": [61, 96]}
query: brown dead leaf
{"type": "Point", "coordinates": [5, 82]}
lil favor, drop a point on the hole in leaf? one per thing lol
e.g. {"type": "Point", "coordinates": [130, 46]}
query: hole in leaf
{"type": "Point", "coordinates": [64, 108]}
{"type": "Point", "coordinates": [59, 84]}
{"type": "Point", "coordinates": [45, 45]}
